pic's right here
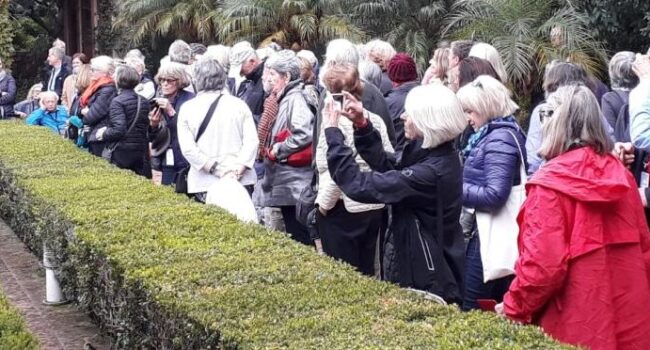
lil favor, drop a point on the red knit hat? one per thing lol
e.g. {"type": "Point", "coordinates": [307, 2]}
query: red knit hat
{"type": "Point", "coordinates": [402, 68]}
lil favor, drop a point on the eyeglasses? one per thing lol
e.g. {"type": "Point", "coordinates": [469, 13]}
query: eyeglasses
{"type": "Point", "coordinates": [167, 80]}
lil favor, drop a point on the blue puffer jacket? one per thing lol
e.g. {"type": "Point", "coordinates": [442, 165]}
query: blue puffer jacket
{"type": "Point", "coordinates": [492, 167]}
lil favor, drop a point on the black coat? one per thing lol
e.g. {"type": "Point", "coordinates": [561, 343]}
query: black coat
{"type": "Point", "coordinates": [395, 101]}
{"type": "Point", "coordinates": [424, 244]}
{"type": "Point", "coordinates": [373, 100]}
{"type": "Point", "coordinates": [7, 96]}
{"type": "Point", "coordinates": [59, 79]}
{"type": "Point", "coordinates": [123, 114]}
{"type": "Point", "coordinates": [251, 91]}
{"type": "Point", "coordinates": [99, 110]}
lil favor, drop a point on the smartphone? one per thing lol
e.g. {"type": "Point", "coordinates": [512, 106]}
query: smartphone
{"type": "Point", "coordinates": [338, 101]}
{"type": "Point", "coordinates": [487, 304]}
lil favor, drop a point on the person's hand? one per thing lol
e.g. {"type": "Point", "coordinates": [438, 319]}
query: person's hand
{"type": "Point", "coordinates": [625, 152]}
{"type": "Point", "coordinates": [331, 115]}
{"type": "Point", "coordinates": [270, 154]}
{"type": "Point", "coordinates": [641, 66]}
{"type": "Point", "coordinates": [322, 210]}
{"type": "Point", "coordinates": [644, 200]}
{"type": "Point", "coordinates": [20, 114]}
{"type": "Point", "coordinates": [353, 109]}
{"type": "Point", "coordinates": [164, 104]}
{"type": "Point", "coordinates": [237, 172]}
{"type": "Point", "coordinates": [100, 133]}
{"type": "Point", "coordinates": [319, 246]}
{"type": "Point", "coordinates": [85, 111]}
{"type": "Point", "coordinates": [499, 310]}
{"type": "Point", "coordinates": [154, 118]}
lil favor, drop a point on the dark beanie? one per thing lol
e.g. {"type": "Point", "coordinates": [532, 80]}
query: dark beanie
{"type": "Point", "coordinates": [402, 68]}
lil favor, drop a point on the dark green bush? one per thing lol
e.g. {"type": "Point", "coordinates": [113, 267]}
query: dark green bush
{"type": "Point", "coordinates": [157, 270]}
{"type": "Point", "coordinates": [13, 332]}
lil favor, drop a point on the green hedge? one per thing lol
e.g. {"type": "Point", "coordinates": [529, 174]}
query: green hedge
{"type": "Point", "coordinates": [13, 331]}
{"type": "Point", "coordinates": [159, 271]}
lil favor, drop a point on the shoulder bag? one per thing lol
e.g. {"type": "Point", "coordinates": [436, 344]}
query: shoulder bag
{"type": "Point", "coordinates": [498, 231]}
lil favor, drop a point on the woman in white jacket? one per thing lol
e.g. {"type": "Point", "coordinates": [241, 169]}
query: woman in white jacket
{"type": "Point", "coordinates": [229, 144]}
{"type": "Point", "coordinates": [348, 229]}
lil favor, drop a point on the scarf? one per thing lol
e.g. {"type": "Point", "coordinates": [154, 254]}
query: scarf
{"type": "Point", "coordinates": [90, 91]}
{"type": "Point", "coordinates": [270, 113]}
{"type": "Point", "coordinates": [482, 131]}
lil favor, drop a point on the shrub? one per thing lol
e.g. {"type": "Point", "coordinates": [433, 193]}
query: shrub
{"type": "Point", "coordinates": [13, 332]}
{"type": "Point", "coordinates": [157, 270]}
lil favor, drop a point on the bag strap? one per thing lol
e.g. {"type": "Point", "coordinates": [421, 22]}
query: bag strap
{"type": "Point", "coordinates": [522, 168]}
{"type": "Point", "coordinates": [135, 120]}
{"type": "Point", "coordinates": [208, 117]}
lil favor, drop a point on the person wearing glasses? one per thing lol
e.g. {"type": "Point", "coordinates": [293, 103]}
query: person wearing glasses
{"type": "Point", "coordinates": [172, 79]}
{"type": "Point", "coordinates": [583, 273]}
{"type": "Point", "coordinates": [493, 157]}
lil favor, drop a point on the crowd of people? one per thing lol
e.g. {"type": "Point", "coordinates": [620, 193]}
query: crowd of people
{"type": "Point", "coordinates": [397, 168]}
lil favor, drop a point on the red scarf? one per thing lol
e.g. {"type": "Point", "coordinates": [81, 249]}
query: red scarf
{"type": "Point", "coordinates": [271, 108]}
{"type": "Point", "coordinates": [94, 86]}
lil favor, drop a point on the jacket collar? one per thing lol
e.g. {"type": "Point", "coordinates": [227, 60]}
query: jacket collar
{"type": "Point", "coordinates": [414, 153]}
{"type": "Point", "coordinates": [256, 74]}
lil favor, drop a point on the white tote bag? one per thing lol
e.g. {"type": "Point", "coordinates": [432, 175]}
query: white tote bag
{"type": "Point", "coordinates": [230, 195]}
{"type": "Point", "coordinates": [498, 231]}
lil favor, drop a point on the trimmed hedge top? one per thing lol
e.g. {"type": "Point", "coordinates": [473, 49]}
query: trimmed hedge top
{"type": "Point", "coordinates": [13, 331]}
{"type": "Point", "coordinates": [177, 274]}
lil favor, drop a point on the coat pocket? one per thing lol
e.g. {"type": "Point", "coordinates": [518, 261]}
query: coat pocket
{"type": "Point", "coordinates": [426, 250]}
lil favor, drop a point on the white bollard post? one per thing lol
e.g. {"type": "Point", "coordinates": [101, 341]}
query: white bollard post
{"type": "Point", "coordinates": [53, 294]}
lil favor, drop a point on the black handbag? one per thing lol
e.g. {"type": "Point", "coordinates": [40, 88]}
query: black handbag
{"type": "Point", "coordinates": [107, 152]}
{"type": "Point", "coordinates": [306, 201]}
{"type": "Point", "coordinates": [180, 178]}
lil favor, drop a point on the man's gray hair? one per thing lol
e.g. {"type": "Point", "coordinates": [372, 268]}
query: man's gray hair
{"type": "Point", "coordinates": [209, 75]}
{"type": "Point", "coordinates": [135, 62]}
{"type": "Point", "coordinates": [135, 53]}
{"type": "Point", "coordinates": [382, 48]}
{"type": "Point", "coordinates": [284, 62]}
{"type": "Point", "coordinates": [58, 52]}
{"type": "Point", "coordinates": [341, 51]}
{"type": "Point", "coordinates": [370, 72]}
{"type": "Point", "coordinates": [59, 43]}
{"type": "Point", "coordinates": [180, 52]}
{"type": "Point", "coordinates": [620, 71]}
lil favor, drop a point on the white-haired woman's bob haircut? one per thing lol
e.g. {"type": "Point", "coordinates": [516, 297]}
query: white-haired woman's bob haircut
{"type": "Point", "coordinates": [440, 119]}
{"type": "Point", "coordinates": [103, 64]}
{"type": "Point", "coordinates": [487, 97]}
{"type": "Point", "coordinates": [490, 54]}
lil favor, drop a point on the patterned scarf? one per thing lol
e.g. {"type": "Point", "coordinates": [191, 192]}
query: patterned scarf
{"type": "Point", "coordinates": [271, 108]}
{"type": "Point", "coordinates": [478, 135]}
{"type": "Point", "coordinates": [90, 91]}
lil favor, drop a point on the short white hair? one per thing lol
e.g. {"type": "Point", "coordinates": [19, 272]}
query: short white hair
{"type": "Point", "coordinates": [136, 62]}
{"type": "Point", "coordinates": [341, 51]}
{"type": "Point", "coordinates": [439, 120]}
{"type": "Point", "coordinates": [104, 64]}
{"type": "Point", "coordinates": [59, 43]}
{"type": "Point", "coordinates": [487, 97]}
{"type": "Point", "coordinates": [309, 56]}
{"type": "Point", "coordinates": [381, 48]}
{"type": "Point", "coordinates": [49, 95]}
{"type": "Point", "coordinates": [180, 51]}
{"type": "Point", "coordinates": [219, 53]}
{"type": "Point", "coordinates": [490, 54]}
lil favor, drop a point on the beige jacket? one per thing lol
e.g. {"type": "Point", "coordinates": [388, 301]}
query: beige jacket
{"type": "Point", "coordinates": [328, 192]}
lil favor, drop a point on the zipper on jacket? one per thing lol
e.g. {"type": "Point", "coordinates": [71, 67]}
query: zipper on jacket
{"type": "Point", "coordinates": [425, 248]}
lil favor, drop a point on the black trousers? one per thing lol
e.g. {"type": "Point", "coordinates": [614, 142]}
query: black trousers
{"type": "Point", "coordinates": [130, 159]}
{"type": "Point", "coordinates": [96, 148]}
{"type": "Point", "coordinates": [351, 237]}
{"type": "Point", "coordinates": [297, 231]}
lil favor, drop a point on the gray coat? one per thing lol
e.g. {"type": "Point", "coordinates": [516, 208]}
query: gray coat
{"type": "Point", "coordinates": [283, 183]}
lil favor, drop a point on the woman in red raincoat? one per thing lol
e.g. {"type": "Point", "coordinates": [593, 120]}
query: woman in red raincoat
{"type": "Point", "coordinates": [583, 273]}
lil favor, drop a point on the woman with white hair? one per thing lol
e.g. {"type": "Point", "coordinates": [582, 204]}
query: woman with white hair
{"type": "Point", "coordinates": [584, 266]}
{"type": "Point", "coordinates": [285, 135]}
{"type": "Point", "coordinates": [95, 102]}
{"type": "Point", "coordinates": [493, 157]}
{"type": "Point", "coordinates": [146, 88]}
{"type": "Point", "coordinates": [423, 185]}
{"type": "Point", "coordinates": [489, 53]}
{"type": "Point", "coordinates": [228, 146]}
{"type": "Point", "coordinates": [172, 80]}
{"type": "Point", "coordinates": [623, 80]}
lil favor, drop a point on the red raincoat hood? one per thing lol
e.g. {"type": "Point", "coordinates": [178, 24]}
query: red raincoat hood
{"type": "Point", "coordinates": [585, 176]}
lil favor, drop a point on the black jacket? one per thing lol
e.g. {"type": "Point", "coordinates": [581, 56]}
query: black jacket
{"type": "Point", "coordinates": [123, 110]}
{"type": "Point", "coordinates": [59, 79]}
{"type": "Point", "coordinates": [373, 100]}
{"type": "Point", "coordinates": [251, 91]}
{"type": "Point", "coordinates": [99, 109]}
{"type": "Point", "coordinates": [7, 96]}
{"type": "Point", "coordinates": [395, 101]}
{"type": "Point", "coordinates": [424, 246]}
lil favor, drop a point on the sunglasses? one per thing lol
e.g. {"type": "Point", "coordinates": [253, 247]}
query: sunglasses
{"type": "Point", "coordinates": [166, 80]}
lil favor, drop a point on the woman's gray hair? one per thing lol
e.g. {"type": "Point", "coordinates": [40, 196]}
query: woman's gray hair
{"type": "Point", "coordinates": [173, 70]}
{"type": "Point", "coordinates": [103, 64]}
{"type": "Point", "coordinates": [341, 51]}
{"type": "Point", "coordinates": [371, 72]}
{"type": "Point", "coordinates": [381, 48]}
{"type": "Point", "coordinates": [576, 121]}
{"type": "Point", "coordinates": [135, 53]}
{"type": "Point", "coordinates": [220, 53]}
{"type": "Point", "coordinates": [209, 75]}
{"type": "Point", "coordinates": [285, 62]}
{"type": "Point", "coordinates": [620, 71]}
{"type": "Point", "coordinates": [135, 62]}
{"type": "Point", "coordinates": [180, 52]}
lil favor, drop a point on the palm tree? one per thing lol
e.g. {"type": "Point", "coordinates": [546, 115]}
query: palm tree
{"type": "Point", "coordinates": [187, 19]}
{"type": "Point", "coordinates": [520, 31]}
{"type": "Point", "coordinates": [412, 26]}
{"type": "Point", "coordinates": [309, 23]}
